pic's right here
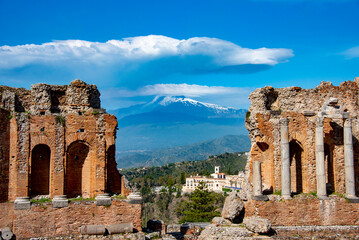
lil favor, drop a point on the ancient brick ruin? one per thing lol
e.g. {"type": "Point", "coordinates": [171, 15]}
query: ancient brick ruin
{"type": "Point", "coordinates": [56, 140]}
{"type": "Point", "coordinates": [306, 140]}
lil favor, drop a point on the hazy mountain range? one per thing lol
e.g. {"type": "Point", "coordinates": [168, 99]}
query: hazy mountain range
{"type": "Point", "coordinates": [167, 122]}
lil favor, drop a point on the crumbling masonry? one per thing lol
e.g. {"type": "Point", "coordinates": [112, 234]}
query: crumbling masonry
{"type": "Point", "coordinates": [306, 140]}
{"type": "Point", "coordinates": [56, 140]}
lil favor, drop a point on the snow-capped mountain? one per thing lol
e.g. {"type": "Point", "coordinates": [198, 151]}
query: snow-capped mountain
{"type": "Point", "coordinates": [181, 104]}
{"type": "Point", "coordinates": [174, 121]}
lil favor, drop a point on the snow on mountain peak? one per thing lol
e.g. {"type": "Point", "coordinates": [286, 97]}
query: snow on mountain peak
{"type": "Point", "coordinates": [167, 100]}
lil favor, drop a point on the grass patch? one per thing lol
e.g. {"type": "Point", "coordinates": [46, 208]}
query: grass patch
{"type": "Point", "coordinates": [313, 194]}
{"type": "Point", "coordinates": [42, 200]}
{"type": "Point", "coordinates": [279, 193]}
{"type": "Point", "coordinates": [60, 120]}
{"type": "Point", "coordinates": [81, 199]}
{"type": "Point", "coordinates": [120, 196]}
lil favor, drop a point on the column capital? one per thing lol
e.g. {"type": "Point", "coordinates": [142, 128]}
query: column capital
{"type": "Point", "coordinates": [319, 122]}
{"type": "Point", "coordinates": [284, 121]}
{"type": "Point", "coordinates": [348, 122]}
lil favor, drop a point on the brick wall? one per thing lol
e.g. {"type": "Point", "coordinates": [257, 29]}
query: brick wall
{"type": "Point", "coordinates": [4, 154]}
{"type": "Point", "coordinates": [45, 221]}
{"type": "Point", "coordinates": [305, 212]}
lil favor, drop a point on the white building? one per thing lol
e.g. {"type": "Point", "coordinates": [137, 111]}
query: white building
{"type": "Point", "coordinates": [216, 182]}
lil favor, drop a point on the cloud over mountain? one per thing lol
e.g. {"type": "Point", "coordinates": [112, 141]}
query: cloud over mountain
{"type": "Point", "coordinates": [140, 60]}
{"type": "Point", "coordinates": [138, 49]}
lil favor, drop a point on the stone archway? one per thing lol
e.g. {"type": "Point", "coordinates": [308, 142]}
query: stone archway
{"type": "Point", "coordinates": [296, 168]}
{"type": "Point", "coordinates": [78, 177]}
{"type": "Point", "coordinates": [114, 178]}
{"type": "Point", "coordinates": [262, 153]}
{"type": "Point", "coordinates": [329, 167]}
{"type": "Point", "coordinates": [40, 170]}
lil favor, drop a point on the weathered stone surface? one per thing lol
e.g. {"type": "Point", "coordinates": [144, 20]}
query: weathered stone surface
{"type": "Point", "coordinates": [45, 221]}
{"type": "Point", "coordinates": [49, 128]}
{"type": "Point", "coordinates": [6, 233]}
{"type": "Point", "coordinates": [93, 229]}
{"type": "Point", "coordinates": [103, 200]}
{"type": "Point", "coordinates": [232, 208]}
{"type": "Point", "coordinates": [305, 211]}
{"type": "Point", "coordinates": [213, 232]}
{"type": "Point", "coordinates": [301, 107]}
{"type": "Point", "coordinates": [60, 201]}
{"type": "Point", "coordinates": [120, 228]}
{"type": "Point", "coordinates": [257, 224]}
{"type": "Point", "coordinates": [220, 221]}
{"type": "Point", "coordinates": [22, 203]}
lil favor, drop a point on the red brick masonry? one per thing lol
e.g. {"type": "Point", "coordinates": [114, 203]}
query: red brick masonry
{"type": "Point", "coordinates": [305, 212]}
{"type": "Point", "coordinates": [45, 221]}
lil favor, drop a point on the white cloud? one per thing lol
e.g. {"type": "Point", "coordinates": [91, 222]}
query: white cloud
{"type": "Point", "coordinates": [188, 90]}
{"type": "Point", "coordinates": [139, 50]}
{"type": "Point", "coordinates": [352, 52]}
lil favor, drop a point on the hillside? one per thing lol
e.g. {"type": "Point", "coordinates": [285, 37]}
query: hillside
{"type": "Point", "coordinates": [229, 163]}
{"type": "Point", "coordinates": [192, 152]}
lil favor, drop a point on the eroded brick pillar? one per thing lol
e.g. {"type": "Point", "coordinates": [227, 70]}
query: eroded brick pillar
{"type": "Point", "coordinates": [320, 159]}
{"type": "Point", "coordinates": [349, 160]}
{"type": "Point", "coordinates": [285, 158]}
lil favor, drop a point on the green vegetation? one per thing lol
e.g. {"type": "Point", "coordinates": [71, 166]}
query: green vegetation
{"type": "Point", "coordinates": [81, 199]}
{"type": "Point", "coordinates": [192, 152]}
{"type": "Point", "coordinates": [168, 204]}
{"type": "Point", "coordinates": [176, 173]}
{"type": "Point", "coordinates": [60, 120]}
{"type": "Point", "coordinates": [10, 116]}
{"type": "Point", "coordinates": [42, 200]}
{"type": "Point", "coordinates": [248, 114]}
{"type": "Point", "coordinates": [201, 206]}
{"type": "Point", "coordinates": [95, 113]}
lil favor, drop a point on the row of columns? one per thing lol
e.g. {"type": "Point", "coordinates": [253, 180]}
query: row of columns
{"type": "Point", "coordinates": [319, 161]}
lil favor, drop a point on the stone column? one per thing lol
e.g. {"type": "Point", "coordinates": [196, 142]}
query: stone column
{"type": "Point", "coordinates": [349, 160]}
{"type": "Point", "coordinates": [284, 151]}
{"type": "Point", "coordinates": [320, 159]}
{"type": "Point", "coordinates": [257, 182]}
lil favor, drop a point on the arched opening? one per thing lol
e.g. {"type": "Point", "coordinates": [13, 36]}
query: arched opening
{"type": "Point", "coordinates": [262, 153]}
{"type": "Point", "coordinates": [77, 169]}
{"type": "Point", "coordinates": [113, 176]}
{"type": "Point", "coordinates": [296, 152]}
{"type": "Point", "coordinates": [40, 170]}
{"type": "Point", "coordinates": [329, 168]}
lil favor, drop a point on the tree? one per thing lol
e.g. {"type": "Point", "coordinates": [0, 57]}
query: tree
{"type": "Point", "coordinates": [201, 207]}
{"type": "Point", "coordinates": [183, 178]}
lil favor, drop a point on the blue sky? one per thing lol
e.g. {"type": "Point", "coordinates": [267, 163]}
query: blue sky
{"type": "Point", "coordinates": [213, 51]}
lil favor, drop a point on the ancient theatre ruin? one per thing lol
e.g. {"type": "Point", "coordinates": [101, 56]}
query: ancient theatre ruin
{"type": "Point", "coordinates": [305, 140]}
{"type": "Point", "coordinates": [56, 140]}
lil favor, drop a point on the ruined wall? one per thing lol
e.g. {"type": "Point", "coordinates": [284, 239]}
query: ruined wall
{"type": "Point", "coordinates": [58, 141]}
{"type": "Point", "coordinates": [4, 154]}
{"type": "Point", "coordinates": [45, 221]}
{"type": "Point", "coordinates": [305, 212]}
{"type": "Point", "coordinates": [301, 107]}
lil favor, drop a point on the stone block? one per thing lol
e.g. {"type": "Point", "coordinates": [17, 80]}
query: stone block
{"type": "Point", "coordinates": [134, 198]}
{"type": "Point", "coordinates": [103, 200]}
{"type": "Point", "coordinates": [220, 221]}
{"type": "Point", "coordinates": [233, 208]}
{"type": "Point", "coordinates": [120, 228]}
{"type": "Point", "coordinates": [92, 229]}
{"type": "Point", "coordinates": [22, 203]}
{"type": "Point", "coordinates": [6, 233]}
{"type": "Point", "coordinates": [260, 198]}
{"type": "Point", "coordinates": [257, 225]}
{"type": "Point", "coordinates": [60, 201]}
